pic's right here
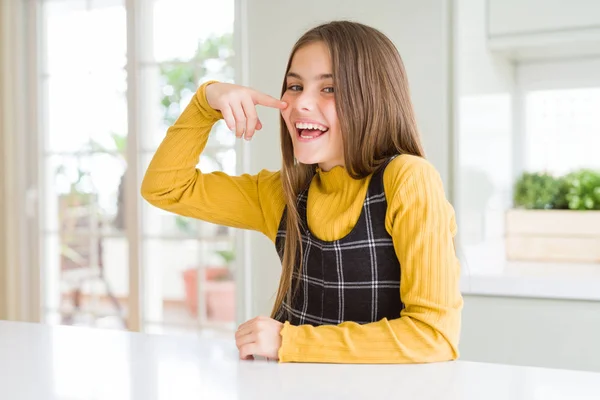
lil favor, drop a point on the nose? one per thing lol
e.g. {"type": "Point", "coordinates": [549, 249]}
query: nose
{"type": "Point", "coordinates": [305, 101]}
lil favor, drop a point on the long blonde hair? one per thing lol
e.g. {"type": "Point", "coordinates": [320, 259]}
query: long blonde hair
{"type": "Point", "coordinates": [375, 116]}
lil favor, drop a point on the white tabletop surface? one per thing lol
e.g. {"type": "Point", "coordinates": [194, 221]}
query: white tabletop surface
{"type": "Point", "coordinates": [39, 362]}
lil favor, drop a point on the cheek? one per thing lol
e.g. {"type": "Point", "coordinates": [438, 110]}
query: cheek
{"type": "Point", "coordinates": [286, 116]}
{"type": "Point", "coordinates": [331, 114]}
{"type": "Point", "coordinates": [286, 96]}
{"type": "Point", "coordinates": [288, 110]}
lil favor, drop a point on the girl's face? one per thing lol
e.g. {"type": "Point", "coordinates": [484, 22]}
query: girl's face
{"type": "Point", "coordinates": [310, 116]}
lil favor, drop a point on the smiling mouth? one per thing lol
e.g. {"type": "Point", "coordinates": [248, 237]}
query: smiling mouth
{"type": "Point", "coordinates": [310, 131]}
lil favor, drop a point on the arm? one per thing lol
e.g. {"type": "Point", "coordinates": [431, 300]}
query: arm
{"type": "Point", "coordinates": [173, 183]}
{"type": "Point", "coordinates": [422, 227]}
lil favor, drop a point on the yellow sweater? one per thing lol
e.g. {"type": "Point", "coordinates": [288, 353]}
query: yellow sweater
{"type": "Point", "coordinates": [419, 219]}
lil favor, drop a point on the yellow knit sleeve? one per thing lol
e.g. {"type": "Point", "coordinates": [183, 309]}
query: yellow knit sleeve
{"type": "Point", "coordinates": [174, 183]}
{"type": "Point", "coordinates": [421, 222]}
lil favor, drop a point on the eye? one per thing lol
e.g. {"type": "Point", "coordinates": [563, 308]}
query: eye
{"type": "Point", "coordinates": [328, 89]}
{"type": "Point", "coordinates": [295, 88]}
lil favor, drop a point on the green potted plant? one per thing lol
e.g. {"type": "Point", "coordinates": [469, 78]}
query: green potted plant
{"type": "Point", "coordinates": [583, 190]}
{"type": "Point", "coordinates": [539, 191]}
{"type": "Point", "coordinates": [555, 218]}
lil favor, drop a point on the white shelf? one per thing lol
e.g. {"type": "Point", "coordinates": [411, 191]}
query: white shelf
{"type": "Point", "coordinates": [485, 271]}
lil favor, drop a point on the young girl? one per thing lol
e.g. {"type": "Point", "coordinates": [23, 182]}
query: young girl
{"type": "Point", "coordinates": [357, 215]}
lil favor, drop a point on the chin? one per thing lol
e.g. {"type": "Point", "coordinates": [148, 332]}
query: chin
{"type": "Point", "coordinates": [306, 159]}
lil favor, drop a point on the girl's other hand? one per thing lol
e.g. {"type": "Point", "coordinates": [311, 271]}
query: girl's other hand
{"type": "Point", "coordinates": [260, 336]}
{"type": "Point", "coordinates": [238, 106]}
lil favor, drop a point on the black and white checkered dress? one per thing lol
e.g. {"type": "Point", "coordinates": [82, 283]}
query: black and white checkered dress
{"type": "Point", "coordinates": [356, 278]}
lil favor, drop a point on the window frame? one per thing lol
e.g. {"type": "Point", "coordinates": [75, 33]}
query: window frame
{"type": "Point", "coordinates": [547, 74]}
{"type": "Point", "coordinates": [33, 188]}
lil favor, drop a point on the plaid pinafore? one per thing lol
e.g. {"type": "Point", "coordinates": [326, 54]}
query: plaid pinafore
{"type": "Point", "coordinates": [356, 278]}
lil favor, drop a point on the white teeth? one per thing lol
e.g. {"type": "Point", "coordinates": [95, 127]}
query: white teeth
{"type": "Point", "coordinates": [304, 125]}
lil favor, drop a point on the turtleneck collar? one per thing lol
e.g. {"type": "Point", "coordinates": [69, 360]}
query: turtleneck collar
{"type": "Point", "coordinates": [334, 180]}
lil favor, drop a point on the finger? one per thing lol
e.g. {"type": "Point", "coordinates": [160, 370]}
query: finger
{"type": "Point", "coordinates": [243, 331]}
{"type": "Point", "coordinates": [258, 125]}
{"type": "Point", "coordinates": [245, 324]}
{"type": "Point", "coordinates": [268, 101]}
{"type": "Point", "coordinates": [240, 119]}
{"type": "Point", "coordinates": [248, 350]}
{"type": "Point", "coordinates": [245, 339]}
{"type": "Point", "coordinates": [228, 117]}
{"type": "Point", "coordinates": [246, 328]}
{"type": "Point", "coordinates": [251, 117]}
{"type": "Point", "coordinates": [252, 321]}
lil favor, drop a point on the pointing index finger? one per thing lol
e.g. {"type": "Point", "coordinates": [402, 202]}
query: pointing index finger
{"type": "Point", "coordinates": [268, 101]}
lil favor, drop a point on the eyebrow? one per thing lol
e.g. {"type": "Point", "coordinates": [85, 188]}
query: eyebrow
{"type": "Point", "coordinates": [318, 77]}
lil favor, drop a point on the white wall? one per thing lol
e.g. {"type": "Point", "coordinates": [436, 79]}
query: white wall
{"type": "Point", "coordinates": [420, 31]}
{"type": "Point", "coordinates": [579, 72]}
{"type": "Point", "coordinates": [484, 94]}
{"type": "Point", "coordinates": [517, 17]}
{"type": "Point", "coordinates": [538, 332]}
{"type": "Point", "coordinates": [544, 29]}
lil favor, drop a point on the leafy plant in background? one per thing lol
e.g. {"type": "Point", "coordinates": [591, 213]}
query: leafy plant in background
{"type": "Point", "coordinates": [180, 80]}
{"type": "Point", "coordinates": [79, 210]}
{"type": "Point", "coordinates": [583, 190]}
{"type": "Point", "coordinates": [80, 196]}
{"type": "Point", "coordinates": [116, 149]}
{"type": "Point", "coordinates": [578, 190]}
{"type": "Point", "coordinates": [228, 256]}
{"type": "Point", "coordinates": [539, 191]}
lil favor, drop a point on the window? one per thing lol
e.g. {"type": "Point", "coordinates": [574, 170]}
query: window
{"type": "Point", "coordinates": [560, 122]}
{"type": "Point", "coordinates": [543, 119]}
{"type": "Point", "coordinates": [104, 85]}
{"type": "Point", "coordinates": [562, 129]}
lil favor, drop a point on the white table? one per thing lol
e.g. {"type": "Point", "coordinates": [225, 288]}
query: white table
{"type": "Point", "coordinates": [39, 362]}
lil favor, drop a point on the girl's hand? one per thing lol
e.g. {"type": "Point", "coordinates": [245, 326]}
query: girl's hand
{"type": "Point", "coordinates": [259, 337]}
{"type": "Point", "coordinates": [238, 106]}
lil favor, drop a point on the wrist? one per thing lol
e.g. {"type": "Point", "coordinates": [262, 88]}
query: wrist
{"type": "Point", "coordinates": [204, 103]}
{"type": "Point", "coordinates": [206, 86]}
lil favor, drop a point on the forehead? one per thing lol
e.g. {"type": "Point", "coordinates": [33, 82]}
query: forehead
{"type": "Point", "coordinates": [312, 58]}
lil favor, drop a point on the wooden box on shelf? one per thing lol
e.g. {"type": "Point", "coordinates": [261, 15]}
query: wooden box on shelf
{"type": "Point", "coordinates": [553, 235]}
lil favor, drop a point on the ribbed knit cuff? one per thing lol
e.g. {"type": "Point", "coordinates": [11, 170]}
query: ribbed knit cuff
{"type": "Point", "coordinates": [206, 108]}
{"type": "Point", "coordinates": [288, 348]}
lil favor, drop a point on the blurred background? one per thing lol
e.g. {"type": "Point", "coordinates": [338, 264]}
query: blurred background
{"type": "Point", "coordinates": [507, 95]}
